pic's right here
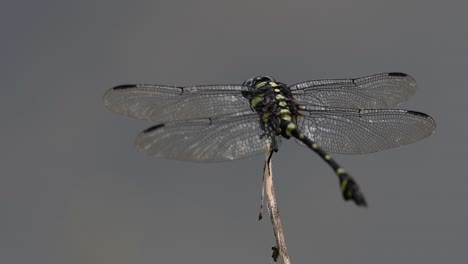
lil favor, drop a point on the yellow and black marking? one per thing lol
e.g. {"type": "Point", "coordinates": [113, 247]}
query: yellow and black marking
{"type": "Point", "coordinates": [260, 85]}
{"type": "Point", "coordinates": [256, 100]}
{"type": "Point", "coordinates": [273, 103]}
{"type": "Point", "coordinates": [348, 185]}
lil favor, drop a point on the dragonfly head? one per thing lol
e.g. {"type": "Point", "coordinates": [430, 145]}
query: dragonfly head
{"type": "Point", "coordinates": [256, 82]}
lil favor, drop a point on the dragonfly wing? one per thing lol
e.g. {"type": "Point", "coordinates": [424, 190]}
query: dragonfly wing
{"type": "Point", "coordinates": [364, 131]}
{"type": "Point", "coordinates": [212, 139]}
{"type": "Point", "coordinates": [379, 91]}
{"type": "Point", "coordinates": [170, 103]}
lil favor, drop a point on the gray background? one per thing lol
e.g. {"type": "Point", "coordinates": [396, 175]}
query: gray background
{"type": "Point", "coordinates": [74, 189]}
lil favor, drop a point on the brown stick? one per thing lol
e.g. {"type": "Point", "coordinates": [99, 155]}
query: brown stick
{"type": "Point", "coordinates": [273, 211]}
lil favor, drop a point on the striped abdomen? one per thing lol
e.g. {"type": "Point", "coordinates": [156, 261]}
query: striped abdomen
{"type": "Point", "coordinates": [349, 187]}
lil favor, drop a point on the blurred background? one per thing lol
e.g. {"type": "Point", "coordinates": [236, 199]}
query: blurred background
{"type": "Point", "coordinates": [74, 189]}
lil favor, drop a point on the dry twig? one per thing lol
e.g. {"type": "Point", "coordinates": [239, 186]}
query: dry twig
{"type": "Point", "coordinates": [268, 188]}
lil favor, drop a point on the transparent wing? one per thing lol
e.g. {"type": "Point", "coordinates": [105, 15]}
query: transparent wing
{"type": "Point", "coordinates": [170, 103]}
{"type": "Point", "coordinates": [379, 91]}
{"type": "Point", "coordinates": [213, 139]}
{"type": "Point", "coordinates": [365, 131]}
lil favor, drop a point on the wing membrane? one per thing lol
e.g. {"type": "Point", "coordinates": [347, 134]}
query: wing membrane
{"type": "Point", "coordinates": [171, 103]}
{"type": "Point", "coordinates": [365, 131]}
{"type": "Point", "coordinates": [379, 91]}
{"type": "Point", "coordinates": [213, 139]}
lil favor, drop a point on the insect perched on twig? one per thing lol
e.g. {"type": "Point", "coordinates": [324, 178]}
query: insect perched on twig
{"type": "Point", "coordinates": [227, 122]}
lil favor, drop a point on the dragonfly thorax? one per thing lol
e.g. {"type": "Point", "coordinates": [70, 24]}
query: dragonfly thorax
{"type": "Point", "coordinates": [272, 101]}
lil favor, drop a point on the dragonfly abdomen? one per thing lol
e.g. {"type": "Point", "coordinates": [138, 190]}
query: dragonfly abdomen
{"type": "Point", "coordinates": [349, 187]}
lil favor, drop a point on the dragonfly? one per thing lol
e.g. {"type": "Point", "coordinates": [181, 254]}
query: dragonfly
{"type": "Point", "coordinates": [208, 123]}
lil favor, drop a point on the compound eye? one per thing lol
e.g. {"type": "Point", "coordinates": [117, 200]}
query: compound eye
{"type": "Point", "coordinates": [265, 78]}
{"type": "Point", "coordinates": [252, 82]}
{"type": "Point", "coordinates": [248, 82]}
{"type": "Point", "coordinates": [270, 79]}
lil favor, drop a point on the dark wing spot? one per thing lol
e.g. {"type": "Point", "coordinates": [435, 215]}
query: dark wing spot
{"type": "Point", "coordinates": [150, 129]}
{"type": "Point", "coordinates": [124, 86]}
{"type": "Point", "coordinates": [418, 113]}
{"type": "Point", "coordinates": [397, 74]}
